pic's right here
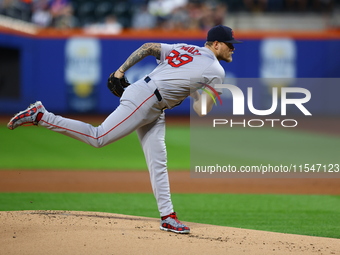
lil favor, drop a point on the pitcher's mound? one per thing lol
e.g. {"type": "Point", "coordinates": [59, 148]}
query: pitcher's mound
{"type": "Point", "coordinates": [65, 232]}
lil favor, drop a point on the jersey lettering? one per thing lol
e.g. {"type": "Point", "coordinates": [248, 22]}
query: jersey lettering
{"type": "Point", "coordinates": [191, 50]}
{"type": "Point", "coordinates": [176, 59]}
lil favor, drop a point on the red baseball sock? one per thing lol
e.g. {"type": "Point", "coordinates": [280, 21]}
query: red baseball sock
{"type": "Point", "coordinates": [39, 116]}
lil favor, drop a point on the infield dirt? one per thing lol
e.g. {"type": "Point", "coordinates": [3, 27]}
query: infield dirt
{"type": "Point", "coordinates": [65, 232]}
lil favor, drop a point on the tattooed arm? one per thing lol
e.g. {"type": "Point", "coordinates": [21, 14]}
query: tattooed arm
{"type": "Point", "coordinates": [147, 49]}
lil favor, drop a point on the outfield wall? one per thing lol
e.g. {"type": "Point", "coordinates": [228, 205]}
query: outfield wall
{"type": "Point", "coordinates": [68, 72]}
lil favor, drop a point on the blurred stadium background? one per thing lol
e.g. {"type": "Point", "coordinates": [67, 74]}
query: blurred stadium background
{"type": "Point", "coordinates": [62, 51]}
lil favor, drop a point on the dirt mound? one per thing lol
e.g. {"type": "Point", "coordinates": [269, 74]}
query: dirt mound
{"type": "Point", "coordinates": [65, 232]}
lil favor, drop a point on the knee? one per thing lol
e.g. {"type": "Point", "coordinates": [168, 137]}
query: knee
{"type": "Point", "coordinates": [97, 144]}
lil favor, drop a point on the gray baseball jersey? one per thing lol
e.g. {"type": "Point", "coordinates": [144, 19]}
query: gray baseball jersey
{"type": "Point", "coordinates": [141, 107]}
{"type": "Point", "coordinates": [180, 69]}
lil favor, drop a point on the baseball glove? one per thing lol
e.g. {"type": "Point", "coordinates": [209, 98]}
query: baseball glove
{"type": "Point", "coordinates": [117, 85]}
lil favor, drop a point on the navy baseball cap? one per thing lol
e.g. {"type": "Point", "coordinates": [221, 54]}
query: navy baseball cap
{"type": "Point", "coordinates": [221, 34]}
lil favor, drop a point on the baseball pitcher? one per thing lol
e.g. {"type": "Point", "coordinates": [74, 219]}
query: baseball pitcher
{"type": "Point", "coordinates": [182, 70]}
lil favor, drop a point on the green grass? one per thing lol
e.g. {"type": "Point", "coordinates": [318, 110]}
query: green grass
{"type": "Point", "coordinates": [39, 148]}
{"type": "Point", "coordinates": [314, 215]}
{"type": "Point", "coordinates": [256, 146]}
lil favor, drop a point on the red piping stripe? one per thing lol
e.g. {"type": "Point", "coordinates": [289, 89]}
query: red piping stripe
{"type": "Point", "coordinates": [107, 131]}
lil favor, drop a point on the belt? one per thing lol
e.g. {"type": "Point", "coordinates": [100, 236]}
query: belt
{"type": "Point", "coordinates": [156, 92]}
